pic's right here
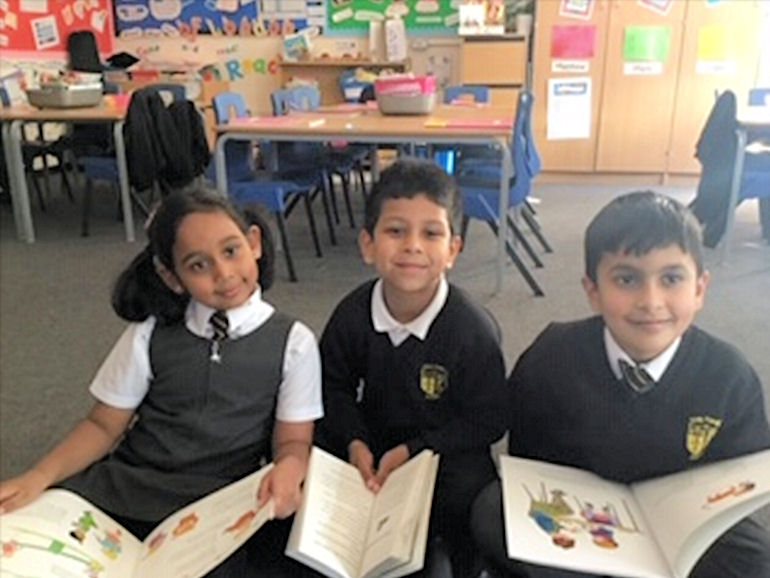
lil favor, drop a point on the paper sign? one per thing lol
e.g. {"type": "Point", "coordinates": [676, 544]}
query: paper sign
{"type": "Point", "coordinates": [573, 41]}
{"type": "Point", "coordinates": [580, 9]}
{"type": "Point", "coordinates": [571, 66]}
{"type": "Point", "coordinates": [34, 6]}
{"type": "Point", "coordinates": [646, 43]}
{"type": "Point", "coordinates": [712, 42]}
{"type": "Point", "coordinates": [45, 32]}
{"type": "Point", "coordinates": [569, 108]}
{"type": "Point", "coordinates": [659, 6]}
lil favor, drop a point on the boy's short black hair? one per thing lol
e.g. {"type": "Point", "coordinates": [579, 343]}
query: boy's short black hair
{"type": "Point", "coordinates": [408, 177]}
{"type": "Point", "coordinates": [638, 222]}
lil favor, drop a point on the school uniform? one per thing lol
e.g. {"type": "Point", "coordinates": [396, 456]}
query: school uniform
{"type": "Point", "coordinates": [570, 405]}
{"type": "Point", "coordinates": [204, 418]}
{"type": "Point", "coordinates": [437, 382]}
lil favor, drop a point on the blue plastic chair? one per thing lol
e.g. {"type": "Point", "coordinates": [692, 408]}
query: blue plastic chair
{"type": "Point", "coordinates": [446, 157]}
{"type": "Point", "coordinates": [247, 185]}
{"type": "Point", "coordinates": [480, 187]}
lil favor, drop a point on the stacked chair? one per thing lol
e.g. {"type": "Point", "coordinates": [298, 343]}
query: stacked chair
{"type": "Point", "coordinates": [479, 181]}
{"type": "Point", "coordinates": [279, 193]}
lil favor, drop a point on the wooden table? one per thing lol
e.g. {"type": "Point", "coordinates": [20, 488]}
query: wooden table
{"type": "Point", "coordinates": [749, 118]}
{"type": "Point", "coordinates": [447, 125]}
{"type": "Point", "coordinates": [14, 117]}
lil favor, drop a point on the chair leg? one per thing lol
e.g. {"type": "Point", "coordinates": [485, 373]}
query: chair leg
{"type": "Point", "coordinates": [333, 196]}
{"type": "Point", "coordinates": [346, 194]}
{"type": "Point", "coordinates": [519, 264]}
{"type": "Point", "coordinates": [524, 243]}
{"type": "Point", "coordinates": [536, 229]}
{"type": "Point", "coordinates": [65, 181]}
{"type": "Point", "coordinates": [311, 222]}
{"type": "Point", "coordinates": [84, 232]}
{"type": "Point", "coordinates": [36, 185]}
{"type": "Point", "coordinates": [285, 245]}
{"type": "Point", "coordinates": [464, 227]}
{"type": "Point", "coordinates": [324, 192]}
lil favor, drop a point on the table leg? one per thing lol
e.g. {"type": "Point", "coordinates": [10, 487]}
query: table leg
{"type": "Point", "coordinates": [220, 164]}
{"type": "Point", "coordinates": [14, 160]}
{"type": "Point", "coordinates": [735, 189]}
{"type": "Point", "coordinates": [125, 191]}
{"type": "Point", "coordinates": [505, 179]}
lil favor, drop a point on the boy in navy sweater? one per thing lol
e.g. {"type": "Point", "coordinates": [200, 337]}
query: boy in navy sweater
{"type": "Point", "coordinates": [638, 391]}
{"type": "Point", "coordinates": [409, 361]}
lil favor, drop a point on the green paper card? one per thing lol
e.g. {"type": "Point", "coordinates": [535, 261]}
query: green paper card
{"type": "Point", "coordinates": [646, 43]}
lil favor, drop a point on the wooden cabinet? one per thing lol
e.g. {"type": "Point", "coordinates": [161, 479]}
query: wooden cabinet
{"type": "Point", "coordinates": [637, 108]}
{"type": "Point", "coordinates": [570, 155]}
{"type": "Point", "coordinates": [326, 72]}
{"type": "Point", "coordinates": [720, 50]}
{"type": "Point", "coordinates": [497, 62]}
{"type": "Point", "coordinates": [646, 115]}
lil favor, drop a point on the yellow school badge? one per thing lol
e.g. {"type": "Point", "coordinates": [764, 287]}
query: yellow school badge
{"type": "Point", "coordinates": [434, 380]}
{"type": "Point", "coordinates": [700, 431]}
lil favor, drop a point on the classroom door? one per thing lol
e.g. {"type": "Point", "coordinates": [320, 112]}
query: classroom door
{"type": "Point", "coordinates": [720, 51]}
{"type": "Point", "coordinates": [641, 64]}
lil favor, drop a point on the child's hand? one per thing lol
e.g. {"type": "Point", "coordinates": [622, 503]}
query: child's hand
{"type": "Point", "coordinates": [284, 485]}
{"type": "Point", "coordinates": [390, 460]}
{"type": "Point", "coordinates": [360, 456]}
{"type": "Point", "coordinates": [21, 490]}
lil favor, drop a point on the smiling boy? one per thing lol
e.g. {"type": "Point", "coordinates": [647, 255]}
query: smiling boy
{"type": "Point", "coordinates": [409, 361]}
{"type": "Point", "coordinates": [636, 391]}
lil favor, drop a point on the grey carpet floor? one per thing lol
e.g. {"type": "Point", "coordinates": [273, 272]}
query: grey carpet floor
{"type": "Point", "coordinates": [56, 324]}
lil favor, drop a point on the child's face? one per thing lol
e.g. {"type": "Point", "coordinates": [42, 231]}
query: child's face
{"type": "Point", "coordinates": [647, 301]}
{"type": "Point", "coordinates": [214, 261]}
{"type": "Point", "coordinates": [411, 248]}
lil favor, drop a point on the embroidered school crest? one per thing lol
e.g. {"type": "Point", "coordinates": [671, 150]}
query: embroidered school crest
{"type": "Point", "coordinates": [434, 380]}
{"type": "Point", "coordinates": [700, 431]}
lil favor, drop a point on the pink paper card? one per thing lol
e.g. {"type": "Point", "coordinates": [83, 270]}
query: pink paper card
{"type": "Point", "coordinates": [267, 121]}
{"type": "Point", "coordinates": [506, 122]}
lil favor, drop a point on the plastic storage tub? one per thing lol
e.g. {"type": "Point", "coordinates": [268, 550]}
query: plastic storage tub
{"type": "Point", "coordinates": [65, 95]}
{"type": "Point", "coordinates": [406, 94]}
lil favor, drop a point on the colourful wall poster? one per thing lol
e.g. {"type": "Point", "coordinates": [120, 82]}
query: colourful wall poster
{"type": "Point", "coordinates": [350, 15]}
{"type": "Point", "coordinates": [42, 27]}
{"type": "Point", "coordinates": [580, 9]}
{"type": "Point", "coordinates": [573, 41]}
{"type": "Point", "coordinates": [188, 18]}
{"type": "Point", "coordinates": [660, 6]}
{"type": "Point", "coordinates": [646, 43]}
{"type": "Point", "coordinates": [715, 51]}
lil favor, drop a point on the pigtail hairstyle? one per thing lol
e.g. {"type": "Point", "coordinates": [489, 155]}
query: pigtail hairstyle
{"type": "Point", "coordinates": [140, 292]}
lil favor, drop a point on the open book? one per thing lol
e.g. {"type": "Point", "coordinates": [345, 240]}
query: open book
{"type": "Point", "coordinates": [569, 518]}
{"type": "Point", "coordinates": [61, 534]}
{"type": "Point", "coordinates": [344, 530]}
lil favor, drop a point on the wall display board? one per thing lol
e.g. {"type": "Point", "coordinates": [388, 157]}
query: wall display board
{"type": "Point", "coordinates": [355, 15]}
{"type": "Point", "coordinates": [188, 18]}
{"type": "Point", "coordinates": [41, 27]}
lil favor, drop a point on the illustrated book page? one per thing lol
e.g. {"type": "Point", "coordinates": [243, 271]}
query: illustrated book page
{"type": "Point", "coordinates": [61, 534]}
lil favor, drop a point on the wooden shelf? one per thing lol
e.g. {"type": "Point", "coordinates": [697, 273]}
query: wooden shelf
{"type": "Point", "coordinates": [344, 63]}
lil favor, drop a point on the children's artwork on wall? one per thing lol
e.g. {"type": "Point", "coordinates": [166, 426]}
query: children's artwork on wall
{"type": "Point", "coordinates": [660, 6]}
{"type": "Point", "coordinates": [580, 9]}
{"type": "Point", "coordinates": [645, 49]}
{"type": "Point", "coordinates": [573, 41]}
{"type": "Point", "coordinates": [42, 28]}
{"type": "Point", "coordinates": [355, 15]}
{"type": "Point", "coordinates": [188, 18]}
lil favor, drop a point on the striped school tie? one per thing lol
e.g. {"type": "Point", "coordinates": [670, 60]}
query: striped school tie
{"type": "Point", "coordinates": [219, 324]}
{"type": "Point", "coordinates": [636, 376]}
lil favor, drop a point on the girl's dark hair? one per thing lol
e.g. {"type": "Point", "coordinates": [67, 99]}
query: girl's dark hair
{"type": "Point", "coordinates": [139, 291]}
{"type": "Point", "coordinates": [638, 222]}
{"type": "Point", "coordinates": [409, 177]}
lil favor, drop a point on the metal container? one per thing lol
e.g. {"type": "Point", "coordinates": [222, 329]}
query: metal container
{"type": "Point", "coordinates": [65, 95]}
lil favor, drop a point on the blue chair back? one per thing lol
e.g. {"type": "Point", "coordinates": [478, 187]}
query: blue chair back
{"type": "Point", "coordinates": [477, 92]}
{"type": "Point", "coordinates": [759, 96]}
{"type": "Point", "coordinates": [296, 98]}
{"type": "Point", "coordinates": [229, 105]}
{"type": "Point", "coordinates": [526, 160]}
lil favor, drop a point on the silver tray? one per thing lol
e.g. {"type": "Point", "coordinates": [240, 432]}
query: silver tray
{"type": "Point", "coordinates": [65, 96]}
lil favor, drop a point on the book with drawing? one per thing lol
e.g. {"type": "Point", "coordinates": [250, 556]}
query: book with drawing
{"type": "Point", "coordinates": [344, 530]}
{"type": "Point", "coordinates": [61, 534]}
{"type": "Point", "coordinates": [659, 528]}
